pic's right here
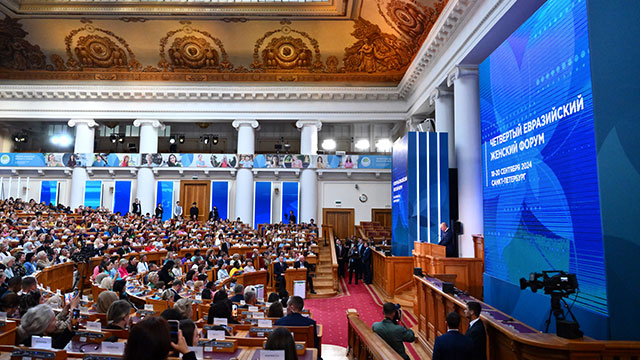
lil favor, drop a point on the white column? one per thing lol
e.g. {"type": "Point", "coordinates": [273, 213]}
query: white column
{"type": "Point", "coordinates": [84, 139]}
{"type": "Point", "coordinates": [146, 183]}
{"type": "Point", "coordinates": [443, 100]}
{"type": "Point", "coordinates": [244, 177]}
{"type": "Point", "coordinates": [468, 148]}
{"type": "Point", "coordinates": [308, 177]}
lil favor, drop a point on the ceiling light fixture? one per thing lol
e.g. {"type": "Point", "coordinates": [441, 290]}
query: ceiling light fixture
{"type": "Point", "coordinates": [329, 144]}
{"type": "Point", "coordinates": [384, 145]}
{"type": "Point", "coordinates": [362, 144]}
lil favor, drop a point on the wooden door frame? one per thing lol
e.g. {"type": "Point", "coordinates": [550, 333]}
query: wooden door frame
{"type": "Point", "coordinates": [204, 213]}
{"type": "Point", "coordinates": [374, 210]}
{"type": "Point", "coordinates": [352, 217]}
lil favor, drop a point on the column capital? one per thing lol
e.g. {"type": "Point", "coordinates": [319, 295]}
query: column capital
{"type": "Point", "coordinates": [89, 122]}
{"type": "Point", "coordinates": [154, 123]}
{"type": "Point", "coordinates": [302, 123]}
{"type": "Point", "coordinates": [245, 122]}
{"type": "Point", "coordinates": [460, 71]}
{"type": "Point", "coordinates": [439, 92]}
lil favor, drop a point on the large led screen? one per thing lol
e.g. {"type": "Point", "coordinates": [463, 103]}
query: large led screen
{"type": "Point", "coordinates": [541, 201]}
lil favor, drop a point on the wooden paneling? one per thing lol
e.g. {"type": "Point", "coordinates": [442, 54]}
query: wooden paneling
{"type": "Point", "coordinates": [468, 271]}
{"type": "Point", "coordinates": [382, 216]}
{"type": "Point", "coordinates": [342, 221]}
{"type": "Point", "coordinates": [507, 338]}
{"type": "Point", "coordinates": [365, 344]}
{"type": "Point", "coordinates": [198, 191]}
{"type": "Point", "coordinates": [391, 273]}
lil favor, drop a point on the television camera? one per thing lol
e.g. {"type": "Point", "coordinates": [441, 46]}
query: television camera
{"type": "Point", "coordinates": [559, 285]}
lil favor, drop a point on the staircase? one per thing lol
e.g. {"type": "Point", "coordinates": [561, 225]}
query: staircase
{"type": "Point", "coordinates": [406, 299]}
{"type": "Point", "coordinates": [323, 281]}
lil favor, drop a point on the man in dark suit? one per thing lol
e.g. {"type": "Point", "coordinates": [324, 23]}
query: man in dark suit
{"type": "Point", "coordinates": [448, 240]}
{"type": "Point", "coordinates": [194, 211]}
{"type": "Point", "coordinates": [238, 291]}
{"type": "Point", "coordinates": [366, 263]}
{"type": "Point", "coordinates": [292, 218]}
{"type": "Point", "coordinates": [159, 211]}
{"type": "Point", "coordinates": [278, 270]}
{"type": "Point", "coordinates": [341, 254]}
{"type": "Point", "coordinates": [476, 330]}
{"type": "Point", "coordinates": [301, 262]}
{"type": "Point", "coordinates": [213, 214]}
{"type": "Point", "coordinates": [295, 305]}
{"type": "Point", "coordinates": [176, 287]}
{"type": "Point", "coordinates": [136, 208]}
{"type": "Point", "coordinates": [453, 345]}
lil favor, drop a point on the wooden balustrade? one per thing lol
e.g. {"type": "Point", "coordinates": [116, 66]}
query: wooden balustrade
{"type": "Point", "coordinates": [57, 277]}
{"type": "Point", "coordinates": [327, 234]}
{"type": "Point", "coordinates": [391, 274]}
{"type": "Point", "coordinates": [364, 344]}
{"type": "Point", "coordinates": [507, 338]}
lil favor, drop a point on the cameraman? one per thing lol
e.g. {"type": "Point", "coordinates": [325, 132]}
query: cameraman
{"type": "Point", "coordinates": [391, 331]}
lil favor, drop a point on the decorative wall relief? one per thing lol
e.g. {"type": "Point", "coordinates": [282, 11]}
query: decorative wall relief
{"type": "Point", "coordinates": [291, 51]}
{"type": "Point", "coordinates": [411, 18]}
{"type": "Point", "coordinates": [375, 51]}
{"type": "Point", "coordinates": [192, 49]}
{"type": "Point", "coordinates": [90, 47]}
{"type": "Point", "coordinates": [17, 53]}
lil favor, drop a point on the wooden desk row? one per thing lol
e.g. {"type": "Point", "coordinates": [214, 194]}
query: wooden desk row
{"type": "Point", "coordinates": [507, 338]}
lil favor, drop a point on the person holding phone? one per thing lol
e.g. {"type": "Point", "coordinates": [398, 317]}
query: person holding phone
{"type": "Point", "coordinates": [151, 339]}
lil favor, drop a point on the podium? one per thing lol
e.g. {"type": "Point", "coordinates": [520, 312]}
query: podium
{"type": "Point", "coordinates": [433, 261]}
{"type": "Point", "coordinates": [292, 275]}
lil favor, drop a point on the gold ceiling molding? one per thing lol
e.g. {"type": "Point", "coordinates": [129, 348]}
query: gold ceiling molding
{"type": "Point", "coordinates": [291, 51]}
{"type": "Point", "coordinates": [376, 51]}
{"type": "Point", "coordinates": [194, 50]}
{"type": "Point", "coordinates": [410, 18]}
{"type": "Point", "coordinates": [96, 48]}
{"type": "Point", "coordinates": [17, 53]}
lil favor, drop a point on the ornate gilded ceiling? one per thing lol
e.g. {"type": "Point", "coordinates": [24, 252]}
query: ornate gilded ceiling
{"type": "Point", "coordinates": [373, 49]}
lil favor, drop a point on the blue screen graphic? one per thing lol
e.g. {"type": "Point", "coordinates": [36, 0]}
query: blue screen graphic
{"type": "Point", "coordinates": [122, 197]}
{"type": "Point", "coordinates": [220, 198]}
{"type": "Point", "coordinates": [262, 203]}
{"type": "Point", "coordinates": [541, 200]}
{"type": "Point", "coordinates": [164, 195]}
{"type": "Point", "coordinates": [289, 200]}
{"type": "Point", "coordinates": [49, 192]}
{"type": "Point", "coordinates": [399, 198]}
{"type": "Point", "coordinates": [93, 193]}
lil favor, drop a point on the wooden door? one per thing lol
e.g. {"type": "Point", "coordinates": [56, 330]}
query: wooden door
{"type": "Point", "coordinates": [198, 191]}
{"type": "Point", "coordinates": [382, 216]}
{"type": "Point", "coordinates": [342, 221]}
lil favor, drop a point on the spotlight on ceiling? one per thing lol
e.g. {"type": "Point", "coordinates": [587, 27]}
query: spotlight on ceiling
{"type": "Point", "coordinates": [113, 138]}
{"type": "Point", "coordinates": [181, 139]}
{"type": "Point", "coordinates": [214, 140]}
{"type": "Point", "coordinates": [172, 139]}
{"type": "Point", "coordinates": [362, 144]}
{"type": "Point", "coordinates": [20, 137]}
{"type": "Point", "coordinates": [384, 145]}
{"type": "Point", "coordinates": [329, 144]}
{"type": "Point", "coordinates": [205, 139]}
{"type": "Point", "coordinates": [62, 140]}
{"type": "Point", "coordinates": [121, 138]}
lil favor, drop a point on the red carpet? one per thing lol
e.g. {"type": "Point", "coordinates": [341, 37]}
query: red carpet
{"type": "Point", "coordinates": [331, 313]}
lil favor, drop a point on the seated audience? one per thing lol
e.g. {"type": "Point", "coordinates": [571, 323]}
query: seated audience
{"type": "Point", "coordinates": [119, 315]}
{"type": "Point", "coordinates": [282, 339]}
{"type": "Point", "coordinates": [105, 299]}
{"type": "Point", "coordinates": [41, 320]}
{"type": "Point", "coordinates": [275, 310]}
{"type": "Point", "coordinates": [150, 339]}
{"type": "Point", "coordinates": [185, 307]}
{"type": "Point", "coordinates": [237, 293]}
{"type": "Point", "coordinates": [190, 332]}
{"type": "Point", "coordinates": [294, 317]}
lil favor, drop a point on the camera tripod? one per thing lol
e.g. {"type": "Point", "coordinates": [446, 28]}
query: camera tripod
{"type": "Point", "coordinates": [557, 299]}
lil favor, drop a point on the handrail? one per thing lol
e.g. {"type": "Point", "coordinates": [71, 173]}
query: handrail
{"type": "Point", "coordinates": [334, 257]}
{"type": "Point", "coordinates": [365, 343]}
